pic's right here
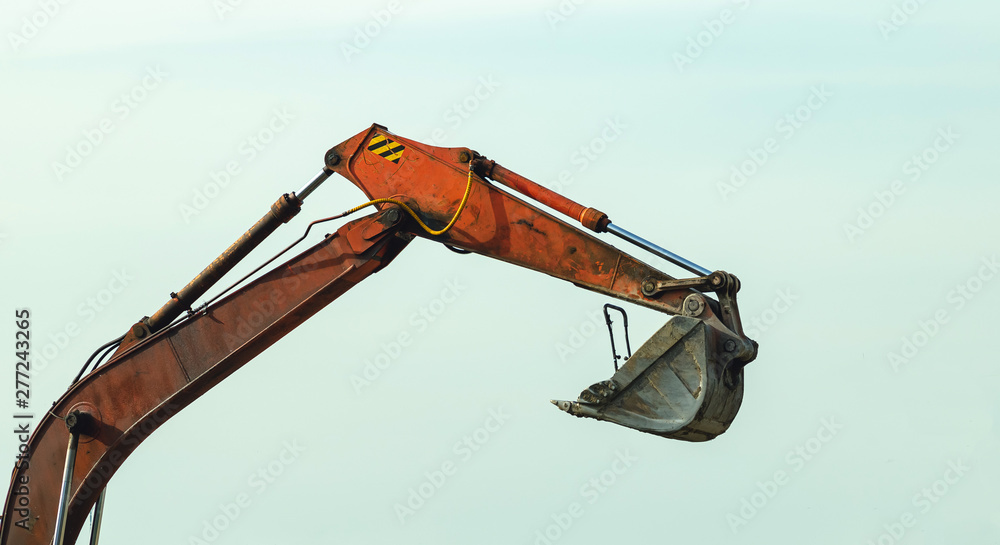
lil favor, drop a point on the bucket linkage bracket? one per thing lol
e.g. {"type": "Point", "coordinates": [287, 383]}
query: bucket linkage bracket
{"type": "Point", "coordinates": [685, 382]}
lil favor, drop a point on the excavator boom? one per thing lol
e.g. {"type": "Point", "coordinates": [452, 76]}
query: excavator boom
{"type": "Point", "coordinates": [684, 383]}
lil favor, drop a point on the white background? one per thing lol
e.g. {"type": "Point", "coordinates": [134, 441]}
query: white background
{"type": "Point", "coordinates": [558, 73]}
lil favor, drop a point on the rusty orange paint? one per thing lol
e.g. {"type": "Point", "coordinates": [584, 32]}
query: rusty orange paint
{"type": "Point", "coordinates": [498, 224]}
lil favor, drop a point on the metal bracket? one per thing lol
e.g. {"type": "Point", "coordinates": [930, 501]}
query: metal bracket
{"type": "Point", "coordinates": [713, 282]}
{"type": "Point", "coordinates": [725, 286]}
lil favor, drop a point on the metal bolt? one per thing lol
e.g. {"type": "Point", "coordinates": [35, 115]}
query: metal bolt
{"type": "Point", "coordinates": [138, 331]}
{"type": "Point", "coordinates": [82, 423]}
{"type": "Point", "coordinates": [392, 215]}
{"type": "Point", "coordinates": [464, 157]}
{"type": "Point", "coordinates": [694, 305]}
{"type": "Point", "coordinates": [730, 345]}
{"type": "Point", "coordinates": [332, 158]}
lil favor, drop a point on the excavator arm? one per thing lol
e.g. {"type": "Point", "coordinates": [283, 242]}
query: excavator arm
{"type": "Point", "coordinates": [685, 382]}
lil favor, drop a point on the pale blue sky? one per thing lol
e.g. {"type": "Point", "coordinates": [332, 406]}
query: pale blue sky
{"type": "Point", "coordinates": [553, 90]}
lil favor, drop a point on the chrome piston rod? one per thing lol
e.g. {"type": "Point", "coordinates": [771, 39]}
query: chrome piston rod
{"type": "Point", "coordinates": [658, 250]}
{"type": "Point", "coordinates": [95, 526]}
{"type": "Point", "coordinates": [313, 184]}
{"type": "Point", "coordinates": [64, 490]}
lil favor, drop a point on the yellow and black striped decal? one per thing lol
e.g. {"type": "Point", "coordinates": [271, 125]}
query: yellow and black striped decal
{"type": "Point", "coordinates": [385, 147]}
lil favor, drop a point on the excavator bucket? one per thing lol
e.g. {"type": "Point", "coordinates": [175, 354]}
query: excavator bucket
{"type": "Point", "coordinates": [676, 385]}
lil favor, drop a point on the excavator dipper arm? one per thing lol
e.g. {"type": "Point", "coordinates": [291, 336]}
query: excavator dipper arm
{"type": "Point", "coordinates": [684, 383]}
{"type": "Point", "coordinates": [495, 223]}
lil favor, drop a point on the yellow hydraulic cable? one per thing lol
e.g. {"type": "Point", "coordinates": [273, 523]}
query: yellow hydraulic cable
{"type": "Point", "coordinates": [461, 206]}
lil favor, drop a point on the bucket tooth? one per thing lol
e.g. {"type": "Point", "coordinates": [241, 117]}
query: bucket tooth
{"type": "Point", "coordinates": [672, 386]}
